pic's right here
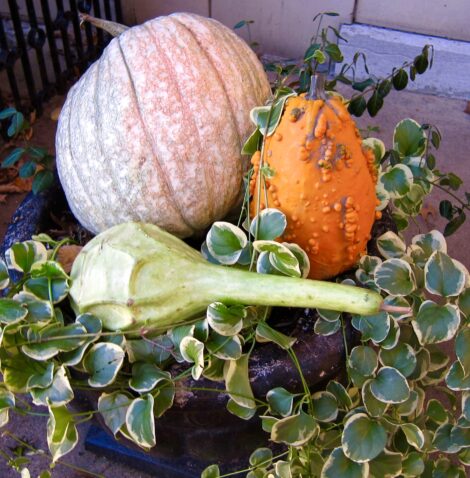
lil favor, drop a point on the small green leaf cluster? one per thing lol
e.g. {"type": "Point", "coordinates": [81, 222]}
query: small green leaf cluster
{"type": "Point", "coordinates": [378, 423]}
{"type": "Point", "coordinates": [408, 173]}
{"type": "Point", "coordinates": [228, 244]}
{"type": "Point", "coordinates": [38, 162]}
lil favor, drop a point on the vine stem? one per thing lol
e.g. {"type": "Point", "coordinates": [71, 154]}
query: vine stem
{"type": "Point", "coordinates": [307, 393]}
{"type": "Point", "coordinates": [442, 188]}
{"type": "Point", "coordinates": [59, 462]}
{"type": "Point", "coordinates": [251, 468]}
{"type": "Point", "coordinates": [395, 309]}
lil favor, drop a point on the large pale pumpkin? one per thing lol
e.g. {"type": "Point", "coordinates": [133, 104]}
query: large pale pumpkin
{"type": "Point", "coordinates": [153, 131]}
{"type": "Point", "coordinates": [324, 181]}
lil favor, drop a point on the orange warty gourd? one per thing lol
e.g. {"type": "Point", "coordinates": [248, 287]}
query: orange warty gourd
{"type": "Point", "coordinates": [324, 182]}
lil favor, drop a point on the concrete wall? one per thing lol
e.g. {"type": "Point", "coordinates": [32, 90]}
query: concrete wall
{"type": "Point", "coordinates": [446, 18]}
{"type": "Point", "coordinates": [284, 27]}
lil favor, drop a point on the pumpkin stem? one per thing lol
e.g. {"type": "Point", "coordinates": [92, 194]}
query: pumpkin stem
{"type": "Point", "coordinates": [113, 28]}
{"type": "Point", "coordinates": [317, 87]}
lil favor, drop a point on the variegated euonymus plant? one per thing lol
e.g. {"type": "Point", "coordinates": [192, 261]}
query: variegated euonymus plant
{"type": "Point", "coordinates": [378, 423]}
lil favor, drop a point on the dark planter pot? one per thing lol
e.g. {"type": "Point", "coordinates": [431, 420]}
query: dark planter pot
{"type": "Point", "coordinates": [199, 430]}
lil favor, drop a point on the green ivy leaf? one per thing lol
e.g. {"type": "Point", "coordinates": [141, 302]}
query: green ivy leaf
{"type": "Point", "coordinates": [325, 327]}
{"type": "Point", "coordinates": [363, 360]}
{"type": "Point", "coordinates": [390, 386]}
{"type": "Point", "coordinates": [268, 224]}
{"type": "Point", "coordinates": [260, 114]}
{"type": "Point", "coordinates": [373, 327]}
{"type": "Point", "coordinates": [261, 457]}
{"type": "Point", "coordinates": [456, 378]}
{"type": "Point", "coordinates": [103, 362]}
{"type": "Point", "coordinates": [409, 139]}
{"type": "Point", "coordinates": [324, 406]}
{"type": "Point", "coordinates": [375, 408]}
{"type": "Point", "coordinates": [436, 323]}
{"type": "Point", "coordinates": [146, 376]}
{"type": "Point", "coordinates": [62, 436]}
{"type": "Point", "coordinates": [397, 180]}
{"type": "Point", "coordinates": [113, 409]}
{"type": "Point", "coordinates": [443, 440]}
{"type": "Point", "coordinates": [13, 158]}
{"type": "Point", "coordinates": [237, 382]}
{"type": "Point", "coordinates": [363, 439]}
{"type": "Point", "coordinates": [444, 276]}
{"type": "Point", "coordinates": [22, 255]}
{"type": "Point", "coordinates": [211, 471]}
{"type": "Point", "coordinates": [59, 393]}
{"type": "Point", "coordinates": [280, 401]}
{"type": "Point", "coordinates": [224, 348]}
{"type": "Point", "coordinates": [252, 144]}
{"type": "Point", "coordinates": [51, 340]}
{"type": "Point", "coordinates": [226, 242]}
{"type": "Point", "coordinates": [390, 245]}
{"type": "Point", "coordinates": [280, 258]}
{"type": "Point", "coordinates": [164, 395]}
{"type": "Point", "coordinates": [241, 412]}
{"type": "Point", "coordinates": [21, 374]}
{"type": "Point", "coordinates": [402, 357]}
{"type": "Point", "coordinates": [396, 277]}
{"type": "Point", "coordinates": [192, 351]}
{"type": "Point", "coordinates": [412, 465]}
{"type": "Point", "coordinates": [4, 276]}
{"type": "Point", "coordinates": [339, 465]}
{"type": "Point", "coordinates": [340, 393]}
{"type": "Point", "coordinates": [11, 311]}
{"type": "Point", "coordinates": [357, 106]}
{"type": "Point", "coordinates": [140, 421]}
{"type": "Point", "coordinates": [414, 435]}
{"type": "Point", "coordinates": [295, 430]}
{"type": "Point", "coordinates": [226, 320]}
{"type": "Point", "coordinates": [40, 288]}
{"type": "Point", "coordinates": [400, 80]}
{"type": "Point", "coordinates": [43, 180]}
{"type": "Point", "coordinates": [386, 465]}
{"type": "Point", "coordinates": [265, 333]}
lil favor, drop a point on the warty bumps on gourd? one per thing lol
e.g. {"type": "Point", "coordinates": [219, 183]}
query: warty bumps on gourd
{"type": "Point", "coordinates": [323, 180]}
{"type": "Point", "coordinates": [153, 131]}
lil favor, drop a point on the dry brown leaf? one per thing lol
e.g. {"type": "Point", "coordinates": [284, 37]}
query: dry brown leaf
{"type": "Point", "coordinates": [55, 113]}
{"type": "Point", "coordinates": [10, 189]}
{"type": "Point", "coordinates": [67, 255]}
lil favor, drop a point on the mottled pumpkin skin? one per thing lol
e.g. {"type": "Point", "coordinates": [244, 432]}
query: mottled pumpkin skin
{"type": "Point", "coordinates": [153, 131]}
{"type": "Point", "coordinates": [324, 181]}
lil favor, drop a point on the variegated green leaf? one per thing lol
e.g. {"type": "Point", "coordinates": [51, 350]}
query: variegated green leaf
{"type": "Point", "coordinates": [432, 241]}
{"type": "Point", "coordinates": [146, 376]}
{"type": "Point", "coordinates": [237, 382]}
{"type": "Point", "coordinates": [326, 328]}
{"type": "Point", "coordinates": [363, 439]}
{"type": "Point", "coordinates": [59, 393]}
{"type": "Point", "coordinates": [456, 378]}
{"type": "Point", "coordinates": [414, 435]}
{"type": "Point", "coordinates": [409, 138]}
{"type": "Point", "coordinates": [444, 276]}
{"type": "Point", "coordinates": [386, 465]}
{"type": "Point", "coordinates": [436, 323]}
{"type": "Point", "coordinates": [140, 421]}
{"type": "Point", "coordinates": [22, 255]}
{"type": "Point", "coordinates": [103, 362]}
{"type": "Point", "coordinates": [339, 465]}
{"type": "Point", "coordinates": [397, 180]}
{"type": "Point", "coordinates": [192, 351]}
{"type": "Point", "coordinates": [265, 333]}
{"type": "Point", "coordinates": [224, 348]}
{"type": "Point", "coordinates": [324, 406]}
{"type": "Point", "coordinates": [395, 277]}
{"type": "Point", "coordinates": [390, 245]}
{"type": "Point", "coordinates": [375, 408]}
{"type": "Point", "coordinates": [402, 357]}
{"type": "Point", "coordinates": [268, 224]}
{"type": "Point", "coordinates": [226, 242]}
{"type": "Point", "coordinates": [280, 401]}
{"type": "Point", "coordinates": [390, 386]}
{"type": "Point", "coordinates": [113, 409]}
{"type": "Point", "coordinates": [62, 436]}
{"type": "Point", "coordinates": [295, 430]}
{"type": "Point", "coordinates": [4, 276]}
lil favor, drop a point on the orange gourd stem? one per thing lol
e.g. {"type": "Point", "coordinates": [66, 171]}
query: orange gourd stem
{"type": "Point", "coordinates": [324, 181]}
